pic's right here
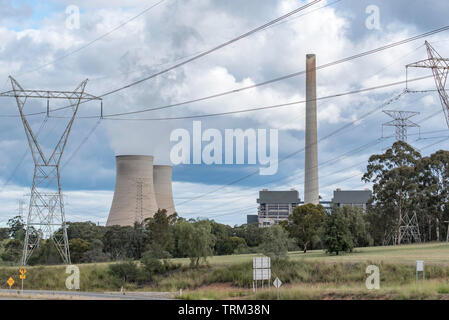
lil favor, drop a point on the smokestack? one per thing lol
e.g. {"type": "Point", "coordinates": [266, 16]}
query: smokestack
{"type": "Point", "coordinates": [134, 197]}
{"type": "Point", "coordinates": [163, 188]}
{"type": "Point", "coordinates": [311, 194]}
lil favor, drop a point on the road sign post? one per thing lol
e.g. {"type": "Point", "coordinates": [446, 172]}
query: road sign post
{"type": "Point", "coordinates": [277, 283]}
{"type": "Point", "coordinates": [10, 282]}
{"type": "Point", "coordinates": [22, 276]}
{"type": "Point", "coordinates": [261, 271]}
{"type": "Point", "coordinates": [420, 268]}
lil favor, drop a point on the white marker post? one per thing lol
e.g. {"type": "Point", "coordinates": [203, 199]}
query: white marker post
{"type": "Point", "coordinates": [277, 283]}
{"type": "Point", "coordinates": [420, 268]}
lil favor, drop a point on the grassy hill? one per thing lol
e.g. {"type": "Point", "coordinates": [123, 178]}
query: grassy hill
{"type": "Point", "coordinates": [314, 275]}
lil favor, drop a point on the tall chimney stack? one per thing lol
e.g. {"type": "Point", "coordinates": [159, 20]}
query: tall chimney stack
{"type": "Point", "coordinates": [311, 194]}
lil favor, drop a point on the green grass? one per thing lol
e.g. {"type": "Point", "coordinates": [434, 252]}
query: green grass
{"type": "Point", "coordinates": [313, 275]}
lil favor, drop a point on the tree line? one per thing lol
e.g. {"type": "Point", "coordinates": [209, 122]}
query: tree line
{"type": "Point", "coordinates": [403, 181]}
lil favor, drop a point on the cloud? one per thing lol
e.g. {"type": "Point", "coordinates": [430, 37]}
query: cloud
{"type": "Point", "coordinates": [177, 30]}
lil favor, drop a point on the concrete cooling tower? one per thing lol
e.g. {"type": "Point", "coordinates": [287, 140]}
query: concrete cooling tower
{"type": "Point", "coordinates": [140, 189]}
{"type": "Point", "coordinates": [162, 178]}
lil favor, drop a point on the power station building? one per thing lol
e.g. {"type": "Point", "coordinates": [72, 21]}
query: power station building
{"type": "Point", "coordinates": [353, 198]}
{"type": "Point", "coordinates": [275, 206]}
{"type": "Point", "coordinates": [141, 188]}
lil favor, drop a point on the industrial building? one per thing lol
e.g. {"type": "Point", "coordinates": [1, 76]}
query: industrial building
{"type": "Point", "coordinates": [252, 219]}
{"type": "Point", "coordinates": [353, 198]}
{"type": "Point", "coordinates": [275, 206]}
{"type": "Point", "coordinates": [140, 190]}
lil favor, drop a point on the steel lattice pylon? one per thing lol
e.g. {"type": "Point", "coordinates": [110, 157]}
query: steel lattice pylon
{"type": "Point", "coordinates": [440, 69]}
{"type": "Point", "coordinates": [401, 122]}
{"type": "Point", "coordinates": [46, 213]}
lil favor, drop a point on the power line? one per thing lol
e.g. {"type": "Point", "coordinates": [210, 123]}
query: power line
{"type": "Point", "coordinates": [198, 52]}
{"type": "Point", "coordinates": [93, 41]}
{"type": "Point", "coordinates": [207, 52]}
{"type": "Point", "coordinates": [391, 45]}
{"type": "Point", "coordinates": [329, 184]}
{"type": "Point", "coordinates": [301, 149]}
{"type": "Point", "coordinates": [295, 74]}
{"type": "Point", "coordinates": [271, 106]}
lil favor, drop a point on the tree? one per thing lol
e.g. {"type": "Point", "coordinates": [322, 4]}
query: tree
{"type": "Point", "coordinates": [275, 242]}
{"type": "Point", "coordinates": [87, 231]}
{"type": "Point", "coordinates": [395, 182]}
{"type": "Point", "coordinates": [16, 228]}
{"type": "Point", "coordinates": [4, 233]}
{"type": "Point", "coordinates": [305, 222]}
{"type": "Point", "coordinates": [195, 240]}
{"type": "Point", "coordinates": [434, 195]}
{"type": "Point", "coordinates": [117, 241]}
{"type": "Point", "coordinates": [13, 251]}
{"type": "Point", "coordinates": [95, 254]}
{"type": "Point", "coordinates": [222, 244]}
{"type": "Point", "coordinates": [358, 225]}
{"type": "Point", "coordinates": [160, 233]}
{"type": "Point", "coordinates": [250, 232]}
{"type": "Point", "coordinates": [336, 234]}
{"type": "Point", "coordinates": [78, 247]}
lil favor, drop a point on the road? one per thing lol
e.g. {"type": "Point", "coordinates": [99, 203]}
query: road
{"type": "Point", "coordinates": [79, 295]}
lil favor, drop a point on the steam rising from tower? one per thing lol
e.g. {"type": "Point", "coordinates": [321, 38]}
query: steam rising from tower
{"type": "Point", "coordinates": [311, 194]}
{"type": "Point", "coordinates": [140, 190]}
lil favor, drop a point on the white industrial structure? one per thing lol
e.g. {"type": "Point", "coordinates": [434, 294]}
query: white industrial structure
{"type": "Point", "coordinates": [162, 177]}
{"type": "Point", "coordinates": [140, 190]}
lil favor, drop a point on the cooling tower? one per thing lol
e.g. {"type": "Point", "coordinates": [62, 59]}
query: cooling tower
{"type": "Point", "coordinates": [311, 194]}
{"type": "Point", "coordinates": [134, 197]}
{"type": "Point", "coordinates": [162, 177]}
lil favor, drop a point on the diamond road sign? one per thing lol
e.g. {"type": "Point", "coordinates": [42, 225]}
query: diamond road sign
{"type": "Point", "coordinates": [277, 283]}
{"type": "Point", "coordinates": [10, 282]}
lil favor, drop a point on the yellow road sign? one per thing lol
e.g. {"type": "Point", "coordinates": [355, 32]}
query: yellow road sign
{"type": "Point", "coordinates": [10, 282]}
{"type": "Point", "coordinates": [23, 271]}
{"type": "Point", "coordinates": [22, 276]}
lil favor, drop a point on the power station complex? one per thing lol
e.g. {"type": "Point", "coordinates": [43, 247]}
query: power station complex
{"type": "Point", "coordinates": [141, 188]}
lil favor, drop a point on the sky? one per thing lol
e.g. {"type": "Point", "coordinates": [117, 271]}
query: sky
{"type": "Point", "coordinates": [119, 42]}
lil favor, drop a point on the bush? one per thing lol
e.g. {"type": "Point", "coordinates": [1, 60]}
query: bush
{"type": "Point", "coordinates": [125, 271]}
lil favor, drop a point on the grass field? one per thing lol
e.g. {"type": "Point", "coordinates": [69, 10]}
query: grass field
{"type": "Point", "coordinates": [314, 275]}
{"type": "Point", "coordinates": [432, 253]}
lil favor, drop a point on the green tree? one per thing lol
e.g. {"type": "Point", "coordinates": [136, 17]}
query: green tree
{"type": "Point", "coordinates": [12, 251]}
{"type": "Point", "coordinates": [4, 233]}
{"type": "Point", "coordinates": [78, 247]}
{"type": "Point", "coordinates": [305, 223]}
{"type": "Point", "coordinates": [160, 233]}
{"type": "Point", "coordinates": [251, 233]}
{"type": "Point", "coordinates": [275, 242]}
{"type": "Point", "coordinates": [96, 254]}
{"type": "Point", "coordinates": [195, 240]}
{"type": "Point", "coordinates": [358, 224]}
{"type": "Point", "coordinates": [395, 184]}
{"type": "Point", "coordinates": [16, 228]}
{"type": "Point", "coordinates": [87, 231]}
{"type": "Point", "coordinates": [117, 240]}
{"type": "Point", "coordinates": [336, 233]}
{"type": "Point", "coordinates": [434, 192]}
{"type": "Point", "coordinates": [221, 233]}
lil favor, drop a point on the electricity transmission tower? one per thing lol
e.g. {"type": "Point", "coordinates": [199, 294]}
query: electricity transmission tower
{"type": "Point", "coordinates": [46, 214]}
{"type": "Point", "coordinates": [440, 69]}
{"type": "Point", "coordinates": [401, 122]}
{"type": "Point", "coordinates": [408, 229]}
